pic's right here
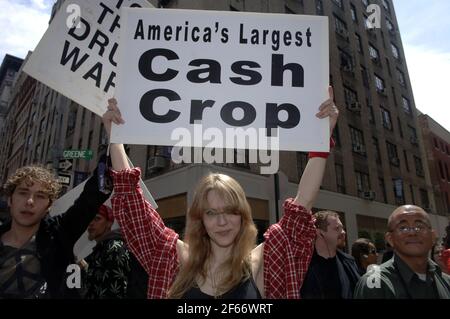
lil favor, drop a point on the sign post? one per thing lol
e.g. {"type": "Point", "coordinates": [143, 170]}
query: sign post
{"type": "Point", "coordinates": [84, 154]}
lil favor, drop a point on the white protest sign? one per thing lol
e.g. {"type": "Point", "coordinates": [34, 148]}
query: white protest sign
{"type": "Point", "coordinates": [209, 72]}
{"type": "Point", "coordinates": [77, 56]}
{"type": "Point", "coordinates": [83, 246]}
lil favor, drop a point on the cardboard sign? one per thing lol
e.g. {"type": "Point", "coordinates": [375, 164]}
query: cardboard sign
{"type": "Point", "coordinates": [188, 78]}
{"type": "Point", "coordinates": [77, 55]}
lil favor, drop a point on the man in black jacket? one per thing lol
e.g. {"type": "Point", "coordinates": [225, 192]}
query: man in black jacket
{"type": "Point", "coordinates": [35, 249]}
{"type": "Point", "coordinates": [332, 274]}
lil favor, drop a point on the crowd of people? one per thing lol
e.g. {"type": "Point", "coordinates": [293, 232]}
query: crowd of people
{"type": "Point", "coordinates": [302, 255]}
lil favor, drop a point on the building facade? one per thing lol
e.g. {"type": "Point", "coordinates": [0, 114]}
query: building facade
{"type": "Point", "coordinates": [377, 163]}
{"type": "Point", "coordinates": [437, 149]}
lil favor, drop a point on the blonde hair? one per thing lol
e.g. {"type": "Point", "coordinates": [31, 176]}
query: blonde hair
{"type": "Point", "coordinates": [30, 175]}
{"type": "Point", "coordinates": [237, 266]}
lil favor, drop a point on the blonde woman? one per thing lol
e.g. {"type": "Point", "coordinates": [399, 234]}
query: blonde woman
{"type": "Point", "coordinates": [218, 257]}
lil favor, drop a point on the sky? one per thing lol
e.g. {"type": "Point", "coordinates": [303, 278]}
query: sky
{"type": "Point", "coordinates": [424, 27]}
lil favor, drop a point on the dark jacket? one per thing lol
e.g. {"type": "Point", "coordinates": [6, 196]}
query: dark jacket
{"type": "Point", "coordinates": [394, 279]}
{"type": "Point", "coordinates": [57, 236]}
{"type": "Point", "coordinates": [348, 277]}
{"type": "Point", "coordinates": [109, 268]}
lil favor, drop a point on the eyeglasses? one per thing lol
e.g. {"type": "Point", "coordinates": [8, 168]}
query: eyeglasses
{"type": "Point", "coordinates": [419, 228]}
{"type": "Point", "coordinates": [373, 252]}
{"type": "Point", "coordinates": [227, 211]}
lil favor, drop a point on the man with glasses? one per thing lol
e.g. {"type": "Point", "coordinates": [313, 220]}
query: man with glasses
{"type": "Point", "coordinates": [410, 273]}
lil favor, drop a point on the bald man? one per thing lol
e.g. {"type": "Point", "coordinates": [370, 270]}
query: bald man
{"type": "Point", "coordinates": [410, 274]}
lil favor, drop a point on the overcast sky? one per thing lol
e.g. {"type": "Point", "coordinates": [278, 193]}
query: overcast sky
{"type": "Point", "coordinates": [424, 27]}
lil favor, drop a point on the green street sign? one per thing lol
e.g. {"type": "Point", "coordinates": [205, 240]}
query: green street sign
{"type": "Point", "coordinates": [85, 154]}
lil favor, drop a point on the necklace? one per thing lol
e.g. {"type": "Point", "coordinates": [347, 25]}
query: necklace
{"type": "Point", "coordinates": [213, 284]}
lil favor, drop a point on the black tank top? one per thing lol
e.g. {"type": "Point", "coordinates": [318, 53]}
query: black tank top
{"type": "Point", "coordinates": [244, 290]}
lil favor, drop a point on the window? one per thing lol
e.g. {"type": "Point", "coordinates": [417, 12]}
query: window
{"type": "Point", "coordinates": [353, 13]}
{"type": "Point", "coordinates": [401, 78]}
{"type": "Point", "coordinates": [371, 116]}
{"type": "Point", "coordinates": [340, 181]}
{"type": "Point", "coordinates": [394, 96]}
{"type": "Point", "coordinates": [419, 167]}
{"type": "Point", "coordinates": [447, 204]}
{"type": "Point", "coordinates": [406, 160]}
{"type": "Point", "coordinates": [346, 60]}
{"type": "Point", "coordinates": [406, 106]}
{"type": "Point", "coordinates": [362, 182]}
{"type": "Point", "coordinates": [386, 118]}
{"type": "Point", "coordinates": [394, 50]}
{"type": "Point", "coordinates": [37, 153]}
{"type": "Point", "coordinates": [373, 53]}
{"type": "Point", "coordinates": [412, 135]}
{"type": "Point", "coordinates": [336, 136]}
{"type": "Point", "coordinates": [42, 126]}
{"type": "Point", "coordinates": [411, 190]}
{"type": "Point", "coordinates": [441, 170]}
{"type": "Point", "coordinates": [338, 3]}
{"type": "Point", "coordinates": [386, 5]}
{"type": "Point", "coordinates": [392, 154]}
{"type": "Point", "coordinates": [358, 43]}
{"type": "Point", "coordinates": [365, 76]}
{"type": "Point", "coordinates": [424, 200]}
{"type": "Point", "coordinates": [383, 189]}
{"type": "Point", "coordinates": [91, 133]}
{"type": "Point", "coordinates": [376, 147]}
{"type": "Point", "coordinates": [436, 144]}
{"type": "Point", "coordinates": [389, 25]}
{"type": "Point", "coordinates": [379, 83]}
{"type": "Point", "coordinates": [400, 130]}
{"type": "Point", "coordinates": [358, 145]}
{"type": "Point", "coordinates": [398, 191]}
{"type": "Point", "coordinates": [319, 7]}
{"type": "Point", "coordinates": [350, 96]}
{"type": "Point", "coordinates": [340, 26]}
{"type": "Point", "coordinates": [388, 66]}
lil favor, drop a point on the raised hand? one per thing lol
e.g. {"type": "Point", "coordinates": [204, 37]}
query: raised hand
{"type": "Point", "coordinates": [112, 115]}
{"type": "Point", "coordinates": [328, 108]}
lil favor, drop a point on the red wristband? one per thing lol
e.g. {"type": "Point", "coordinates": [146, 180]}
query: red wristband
{"type": "Point", "coordinates": [322, 154]}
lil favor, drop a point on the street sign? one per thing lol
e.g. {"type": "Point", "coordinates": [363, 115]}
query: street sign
{"type": "Point", "coordinates": [64, 179]}
{"type": "Point", "coordinates": [65, 164]}
{"type": "Point", "coordinates": [84, 154]}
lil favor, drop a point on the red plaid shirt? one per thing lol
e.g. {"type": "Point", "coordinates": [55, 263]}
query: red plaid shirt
{"type": "Point", "coordinates": [287, 249]}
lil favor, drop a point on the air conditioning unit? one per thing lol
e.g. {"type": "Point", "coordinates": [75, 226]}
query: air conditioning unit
{"type": "Point", "coordinates": [358, 148]}
{"type": "Point", "coordinates": [348, 68]}
{"type": "Point", "coordinates": [156, 162]}
{"type": "Point", "coordinates": [374, 59]}
{"type": "Point", "coordinates": [354, 106]}
{"type": "Point", "coordinates": [381, 91]}
{"type": "Point", "coordinates": [368, 195]}
{"type": "Point", "coordinates": [395, 161]}
{"type": "Point", "coordinates": [342, 32]}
